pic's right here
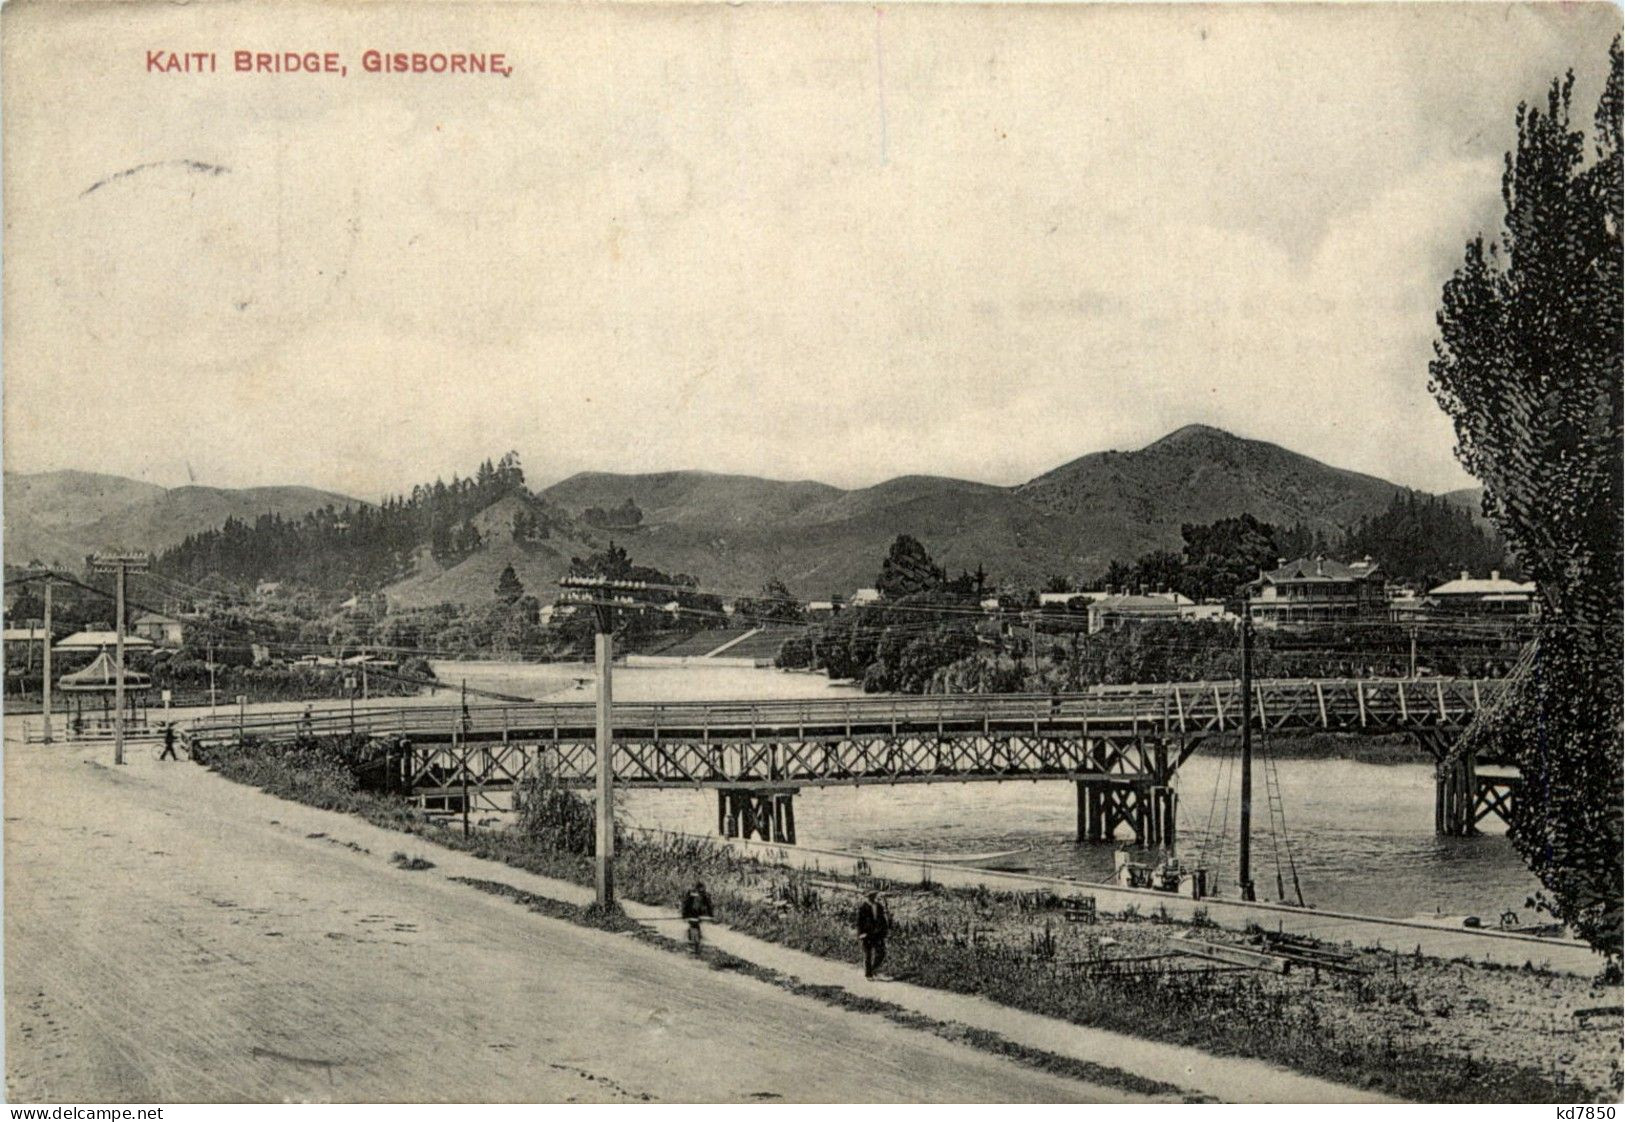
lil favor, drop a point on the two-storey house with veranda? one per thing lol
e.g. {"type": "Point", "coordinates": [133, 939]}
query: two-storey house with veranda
{"type": "Point", "coordinates": [1317, 592]}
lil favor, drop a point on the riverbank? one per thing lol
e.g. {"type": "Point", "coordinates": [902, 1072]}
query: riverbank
{"type": "Point", "coordinates": [1416, 1028]}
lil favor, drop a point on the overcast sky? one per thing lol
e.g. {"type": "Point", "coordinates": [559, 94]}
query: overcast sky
{"type": "Point", "coordinates": [840, 243]}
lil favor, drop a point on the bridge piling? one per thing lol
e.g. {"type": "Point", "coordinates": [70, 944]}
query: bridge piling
{"type": "Point", "coordinates": [768, 815]}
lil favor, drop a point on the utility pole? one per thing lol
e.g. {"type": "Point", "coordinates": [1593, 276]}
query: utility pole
{"type": "Point", "coordinates": [1413, 652]}
{"type": "Point", "coordinates": [603, 606]}
{"type": "Point", "coordinates": [211, 678]}
{"type": "Point", "coordinates": [46, 663]}
{"type": "Point", "coordinates": [1244, 863]}
{"type": "Point", "coordinates": [119, 564]}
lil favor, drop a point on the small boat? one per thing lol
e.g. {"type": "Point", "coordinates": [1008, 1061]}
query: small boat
{"type": "Point", "coordinates": [948, 858]}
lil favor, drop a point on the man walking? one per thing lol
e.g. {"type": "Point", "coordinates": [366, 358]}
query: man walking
{"type": "Point", "coordinates": [873, 926]}
{"type": "Point", "coordinates": [696, 909]}
{"type": "Point", "coordinates": [169, 743]}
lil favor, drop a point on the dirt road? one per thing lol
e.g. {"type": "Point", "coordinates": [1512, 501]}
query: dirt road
{"type": "Point", "coordinates": [171, 936]}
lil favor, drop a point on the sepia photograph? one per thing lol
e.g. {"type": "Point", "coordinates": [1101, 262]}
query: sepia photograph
{"type": "Point", "coordinates": [668, 553]}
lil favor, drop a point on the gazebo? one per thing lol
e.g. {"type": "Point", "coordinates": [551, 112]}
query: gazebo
{"type": "Point", "coordinates": [100, 679]}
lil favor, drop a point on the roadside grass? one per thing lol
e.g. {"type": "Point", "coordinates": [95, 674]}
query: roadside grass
{"type": "Point", "coordinates": [1223, 1014]}
{"type": "Point", "coordinates": [413, 863]}
{"type": "Point", "coordinates": [615, 920]}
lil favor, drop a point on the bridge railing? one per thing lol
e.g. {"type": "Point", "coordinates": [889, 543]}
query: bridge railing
{"type": "Point", "coordinates": [1175, 707]}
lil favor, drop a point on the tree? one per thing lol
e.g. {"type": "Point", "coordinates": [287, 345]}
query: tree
{"type": "Point", "coordinates": [907, 569]}
{"type": "Point", "coordinates": [1222, 556]}
{"type": "Point", "coordinates": [1527, 364]}
{"type": "Point", "coordinates": [775, 605]}
{"type": "Point", "coordinates": [509, 587]}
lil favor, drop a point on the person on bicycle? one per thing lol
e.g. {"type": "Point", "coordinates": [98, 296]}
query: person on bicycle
{"type": "Point", "coordinates": [696, 908]}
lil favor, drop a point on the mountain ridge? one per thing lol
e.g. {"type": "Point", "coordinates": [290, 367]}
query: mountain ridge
{"type": "Point", "coordinates": [734, 531]}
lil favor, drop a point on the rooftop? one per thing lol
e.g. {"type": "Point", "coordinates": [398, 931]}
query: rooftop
{"type": "Point", "coordinates": [97, 640]}
{"type": "Point", "coordinates": [1467, 585]}
{"type": "Point", "coordinates": [1322, 568]}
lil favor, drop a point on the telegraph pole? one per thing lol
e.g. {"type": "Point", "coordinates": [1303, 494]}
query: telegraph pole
{"type": "Point", "coordinates": [119, 564]}
{"type": "Point", "coordinates": [604, 657]}
{"type": "Point", "coordinates": [46, 683]}
{"type": "Point", "coordinates": [1244, 863]}
{"type": "Point", "coordinates": [46, 663]}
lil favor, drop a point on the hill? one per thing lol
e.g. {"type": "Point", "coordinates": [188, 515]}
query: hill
{"type": "Point", "coordinates": [730, 532]}
{"type": "Point", "coordinates": [1201, 474]}
{"type": "Point", "coordinates": [61, 516]}
{"type": "Point", "coordinates": [734, 531]}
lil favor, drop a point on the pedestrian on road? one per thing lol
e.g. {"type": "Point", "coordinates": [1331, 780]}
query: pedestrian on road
{"type": "Point", "coordinates": [696, 909]}
{"type": "Point", "coordinates": [169, 742]}
{"type": "Point", "coordinates": [873, 925]}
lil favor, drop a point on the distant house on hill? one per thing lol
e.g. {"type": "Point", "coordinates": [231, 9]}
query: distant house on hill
{"type": "Point", "coordinates": [820, 609]}
{"type": "Point", "coordinates": [1317, 592]}
{"type": "Point", "coordinates": [865, 596]}
{"type": "Point", "coordinates": [164, 630]}
{"type": "Point", "coordinates": [1496, 597]}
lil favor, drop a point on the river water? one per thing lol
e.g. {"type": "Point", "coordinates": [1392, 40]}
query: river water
{"type": "Point", "coordinates": [1361, 835]}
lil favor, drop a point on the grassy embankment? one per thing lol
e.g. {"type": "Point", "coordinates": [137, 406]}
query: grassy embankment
{"type": "Point", "coordinates": [1418, 1029]}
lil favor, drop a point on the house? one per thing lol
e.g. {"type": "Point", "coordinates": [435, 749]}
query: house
{"type": "Point", "coordinates": [865, 596]}
{"type": "Point", "coordinates": [1118, 611]}
{"type": "Point", "coordinates": [821, 609]}
{"type": "Point", "coordinates": [164, 630]}
{"type": "Point", "coordinates": [1062, 600]}
{"type": "Point", "coordinates": [23, 644]}
{"type": "Point", "coordinates": [99, 641]}
{"type": "Point", "coordinates": [1208, 611]}
{"type": "Point", "coordinates": [1495, 597]}
{"type": "Point", "coordinates": [1317, 592]}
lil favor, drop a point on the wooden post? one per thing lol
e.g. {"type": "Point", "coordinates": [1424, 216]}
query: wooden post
{"type": "Point", "coordinates": [1244, 862]}
{"type": "Point", "coordinates": [604, 874]}
{"type": "Point", "coordinates": [47, 662]}
{"type": "Point", "coordinates": [118, 670]}
{"type": "Point", "coordinates": [463, 760]}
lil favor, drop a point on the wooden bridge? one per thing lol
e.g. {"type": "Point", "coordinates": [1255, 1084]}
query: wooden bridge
{"type": "Point", "coordinates": [1121, 745]}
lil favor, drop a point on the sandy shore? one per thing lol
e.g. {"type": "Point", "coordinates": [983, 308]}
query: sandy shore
{"type": "Point", "coordinates": [171, 936]}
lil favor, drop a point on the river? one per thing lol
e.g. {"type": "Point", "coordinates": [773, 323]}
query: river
{"type": "Point", "coordinates": [1361, 835]}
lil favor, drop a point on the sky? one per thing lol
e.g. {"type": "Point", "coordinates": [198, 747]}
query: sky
{"type": "Point", "coordinates": [839, 242]}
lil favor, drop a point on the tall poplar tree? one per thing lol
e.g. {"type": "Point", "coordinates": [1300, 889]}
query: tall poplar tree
{"type": "Point", "coordinates": [1528, 365]}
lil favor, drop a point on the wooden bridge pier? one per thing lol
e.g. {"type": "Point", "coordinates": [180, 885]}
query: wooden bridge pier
{"type": "Point", "coordinates": [1463, 798]}
{"type": "Point", "coordinates": [1148, 808]}
{"type": "Point", "coordinates": [766, 814]}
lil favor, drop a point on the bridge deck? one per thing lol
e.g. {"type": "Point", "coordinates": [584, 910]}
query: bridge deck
{"type": "Point", "coordinates": [1114, 735]}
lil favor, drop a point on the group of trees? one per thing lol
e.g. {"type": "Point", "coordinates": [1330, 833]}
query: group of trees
{"type": "Point", "coordinates": [350, 547]}
{"type": "Point", "coordinates": [1425, 540]}
{"type": "Point", "coordinates": [627, 516]}
{"type": "Point", "coordinates": [1421, 539]}
{"type": "Point", "coordinates": [925, 621]}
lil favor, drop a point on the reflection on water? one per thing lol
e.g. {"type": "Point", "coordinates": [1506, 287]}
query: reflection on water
{"type": "Point", "coordinates": [1361, 835]}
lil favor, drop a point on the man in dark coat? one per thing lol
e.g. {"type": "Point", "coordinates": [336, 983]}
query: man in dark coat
{"type": "Point", "coordinates": [873, 925]}
{"type": "Point", "coordinates": [696, 907]}
{"type": "Point", "coordinates": [169, 743]}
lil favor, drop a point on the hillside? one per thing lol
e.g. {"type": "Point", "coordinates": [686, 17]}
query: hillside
{"type": "Point", "coordinates": [1200, 474]}
{"type": "Point", "coordinates": [733, 532]}
{"type": "Point", "coordinates": [61, 516]}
